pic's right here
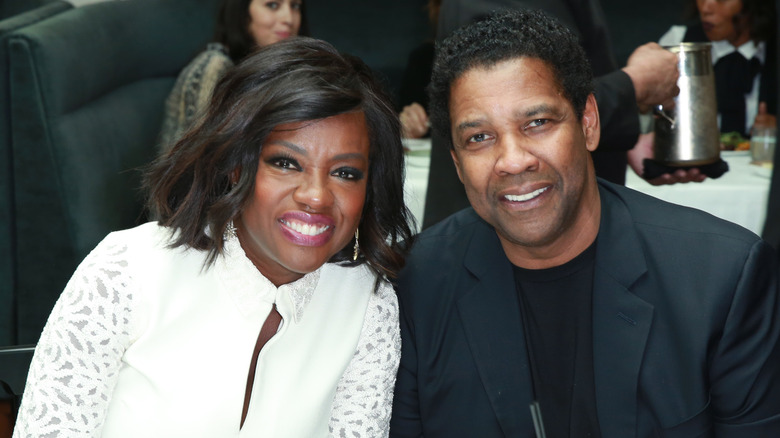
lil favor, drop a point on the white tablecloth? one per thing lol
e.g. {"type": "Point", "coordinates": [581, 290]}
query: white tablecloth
{"type": "Point", "coordinates": [739, 196]}
{"type": "Point", "coordinates": [418, 160]}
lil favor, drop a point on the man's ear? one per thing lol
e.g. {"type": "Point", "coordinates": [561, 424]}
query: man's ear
{"type": "Point", "coordinates": [457, 163]}
{"type": "Point", "coordinates": [591, 125]}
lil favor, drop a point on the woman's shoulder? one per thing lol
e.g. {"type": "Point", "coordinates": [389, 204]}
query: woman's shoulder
{"type": "Point", "coordinates": [146, 243]}
{"type": "Point", "coordinates": [359, 279]}
{"type": "Point", "coordinates": [214, 57]}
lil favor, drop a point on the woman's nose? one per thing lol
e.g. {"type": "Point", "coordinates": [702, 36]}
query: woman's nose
{"type": "Point", "coordinates": [314, 193]}
{"type": "Point", "coordinates": [285, 13]}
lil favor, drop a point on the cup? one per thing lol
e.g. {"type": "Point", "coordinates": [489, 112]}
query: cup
{"type": "Point", "coordinates": [762, 144]}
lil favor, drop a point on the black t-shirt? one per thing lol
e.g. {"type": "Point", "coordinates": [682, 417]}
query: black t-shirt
{"type": "Point", "coordinates": [556, 305]}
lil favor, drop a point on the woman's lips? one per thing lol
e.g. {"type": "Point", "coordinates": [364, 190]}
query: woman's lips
{"type": "Point", "coordinates": [306, 229]}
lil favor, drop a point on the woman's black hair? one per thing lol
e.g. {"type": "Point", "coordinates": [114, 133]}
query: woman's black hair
{"type": "Point", "coordinates": [232, 28]}
{"type": "Point", "coordinates": [193, 188]}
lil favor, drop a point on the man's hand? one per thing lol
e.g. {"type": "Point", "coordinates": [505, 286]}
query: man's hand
{"type": "Point", "coordinates": [763, 118]}
{"type": "Point", "coordinates": [653, 71]}
{"type": "Point", "coordinates": [644, 149]}
{"type": "Point", "coordinates": [414, 121]}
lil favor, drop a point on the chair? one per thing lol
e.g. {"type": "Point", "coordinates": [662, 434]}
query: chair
{"type": "Point", "coordinates": [11, 8]}
{"type": "Point", "coordinates": [14, 365]}
{"type": "Point", "coordinates": [87, 94]}
{"type": "Point", "coordinates": [7, 270]}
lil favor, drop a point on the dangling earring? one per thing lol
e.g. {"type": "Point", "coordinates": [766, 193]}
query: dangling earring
{"type": "Point", "coordinates": [230, 231]}
{"type": "Point", "coordinates": [357, 245]}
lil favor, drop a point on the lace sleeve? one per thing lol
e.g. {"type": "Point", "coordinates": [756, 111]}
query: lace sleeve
{"type": "Point", "coordinates": [77, 359]}
{"type": "Point", "coordinates": [364, 395]}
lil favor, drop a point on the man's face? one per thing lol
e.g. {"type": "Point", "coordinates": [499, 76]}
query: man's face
{"type": "Point", "coordinates": [523, 157]}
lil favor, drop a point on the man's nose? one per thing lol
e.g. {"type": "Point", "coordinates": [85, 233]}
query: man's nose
{"type": "Point", "coordinates": [514, 157]}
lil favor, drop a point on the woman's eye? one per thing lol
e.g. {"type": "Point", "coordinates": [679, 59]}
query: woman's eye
{"type": "Point", "coordinates": [272, 5]}
{"type": "Point", "coordinates": [348, 173]}
{"type": "Point", "coordinates": [296, 6]}
{"type": "Point", "coordinates": [284, 163]}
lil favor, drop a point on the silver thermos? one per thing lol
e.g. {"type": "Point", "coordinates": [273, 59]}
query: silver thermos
{"type": "Point", "coordinates": [688, 134]}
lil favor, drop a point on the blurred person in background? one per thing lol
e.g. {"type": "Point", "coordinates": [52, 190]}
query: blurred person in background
{"type": "Point", "coordinates": [417, 75]}
{"type": "Point", "coordinates": [743, 34]}
{"type": "Point", "coordinates": [242, 26]}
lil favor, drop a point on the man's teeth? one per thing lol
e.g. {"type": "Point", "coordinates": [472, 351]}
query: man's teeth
{"type": "Point", "coordinates": [307, 229]}
{"type": "Point", "coordinates": [526, 197]}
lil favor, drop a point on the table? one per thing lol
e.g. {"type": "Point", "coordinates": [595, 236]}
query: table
{"type": "Point", "coordinates": [739, 196]}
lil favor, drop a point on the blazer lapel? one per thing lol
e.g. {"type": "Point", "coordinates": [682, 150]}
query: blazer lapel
{"type": "Point", "coordinates": [491, 320]}
{"type": "Point", "coordinates": [621, 320]}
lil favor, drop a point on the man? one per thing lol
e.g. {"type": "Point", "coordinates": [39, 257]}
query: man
{"type": "Point", "coordinates": [614, 313]}
{"type": "Point", "coordinates": [648, 79]}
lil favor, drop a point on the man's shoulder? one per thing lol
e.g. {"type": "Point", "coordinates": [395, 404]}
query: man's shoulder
{"type": "Point", "coordinates": [450, 233]}
{"type": "Point", "coordinates": [652, 215]}
{"type": "Point", "coordinates": [438, 252]}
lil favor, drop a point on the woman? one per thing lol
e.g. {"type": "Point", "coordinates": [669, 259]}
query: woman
{"type": "Point", "coordinates": [242, 26]}
{"type": "Point", "coordinates": [288, 197]}
{"type": "Point", "coordinates": [742, 33]}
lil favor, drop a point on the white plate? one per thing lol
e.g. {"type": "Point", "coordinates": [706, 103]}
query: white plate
{"type": "Point", "coordinates": [734, 153]}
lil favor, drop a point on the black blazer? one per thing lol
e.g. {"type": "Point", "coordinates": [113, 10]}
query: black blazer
{"type": "Point", "coordinates": [686, 329]}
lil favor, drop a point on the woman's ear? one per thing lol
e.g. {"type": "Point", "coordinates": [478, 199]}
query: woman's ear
{"type": "Point", "coordinates": [235, 175]}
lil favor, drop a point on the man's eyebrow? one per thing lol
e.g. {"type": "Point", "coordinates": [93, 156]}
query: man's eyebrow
{"type": "Point", "coordinates": [538, 109]}
{"type": "Point", "coordinates": [468, 124]}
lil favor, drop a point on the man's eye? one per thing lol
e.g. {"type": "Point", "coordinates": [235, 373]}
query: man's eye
{"type": "Point", "coordinates": [537, 123]}
{"type": "Point", "coordinates": [478, 138]}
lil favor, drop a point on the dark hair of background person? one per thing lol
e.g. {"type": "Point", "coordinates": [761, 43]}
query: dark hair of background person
{"type": "Point", "coordinates": [761, 14]}
{"type": "Point", "coordinates": [294, 80]}
{"type": "Point", "coordinates": [232, 28]}
{"type": "Point", "coordinates": [505, 36]}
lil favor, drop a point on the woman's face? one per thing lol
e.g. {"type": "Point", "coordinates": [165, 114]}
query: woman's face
{"type": "Point", "coordinates": [310, 188]}
{"type": "Point", "coordinates": [274, 20]}
{"type": "Point", "coordinates": [717, 17]}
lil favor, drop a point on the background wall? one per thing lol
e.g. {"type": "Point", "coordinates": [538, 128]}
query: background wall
{"type": "Point", "coordinates": [383, 32]}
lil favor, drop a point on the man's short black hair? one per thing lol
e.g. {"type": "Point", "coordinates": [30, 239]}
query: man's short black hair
{"type": "Point", "coordinates": [504, 36]}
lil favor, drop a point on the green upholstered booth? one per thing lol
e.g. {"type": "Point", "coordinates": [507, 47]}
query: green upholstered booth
{"type": "Point", "coordinates": [11, 8]}
{"type": "Point", "coordinates": [7, 271]}
{"type": "Point", "coordinates": [87, 93]}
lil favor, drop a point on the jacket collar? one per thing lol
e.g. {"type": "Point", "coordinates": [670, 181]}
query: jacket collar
{"type": "Point", "coordinates": [489, 310]}
{"type": "Point", "coordinates": [250, 289]}
{"type": "Point", "coordinates": [621, 320]}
